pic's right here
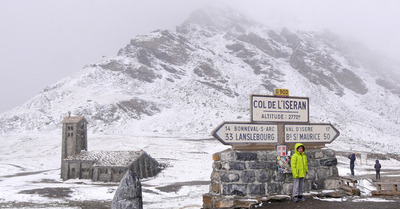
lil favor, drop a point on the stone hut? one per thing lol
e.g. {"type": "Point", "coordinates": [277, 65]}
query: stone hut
{"type": "Point", "coordinates": [106, 166]}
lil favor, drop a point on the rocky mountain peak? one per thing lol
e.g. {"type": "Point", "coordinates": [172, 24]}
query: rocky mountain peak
{"type": "Point", "coordinates": [186, 82]}
{"type": "Point", "coordinates": [215, 19]}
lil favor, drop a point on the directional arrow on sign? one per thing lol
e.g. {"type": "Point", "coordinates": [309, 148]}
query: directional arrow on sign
{"type": "Point", "coordinates": [241, 132]}
{"type": "Point", "coordinates": [317, 132]}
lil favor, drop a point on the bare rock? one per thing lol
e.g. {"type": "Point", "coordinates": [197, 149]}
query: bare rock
{"type": "Point", "coordinates": [129, 193]}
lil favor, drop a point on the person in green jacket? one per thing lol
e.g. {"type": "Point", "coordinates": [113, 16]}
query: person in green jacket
{"type": "Point", "coordinates": [299, 167]}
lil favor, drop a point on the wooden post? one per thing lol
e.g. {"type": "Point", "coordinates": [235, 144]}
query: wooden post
{"type": "Point", "coordinates": [281, 133]}
{"type": "Point", "coordinates": [354, 185]}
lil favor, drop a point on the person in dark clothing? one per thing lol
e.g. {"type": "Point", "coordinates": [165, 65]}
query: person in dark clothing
{"type": "Point", "coordinates": [378, 170]}
{"type": "Point", "coordinates": [352, 158]}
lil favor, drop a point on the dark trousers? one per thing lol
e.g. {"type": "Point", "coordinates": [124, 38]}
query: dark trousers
{"type": "Point", "coordinates": [352, 169]}
{"type": "Point", "coordinates": [378, 175]}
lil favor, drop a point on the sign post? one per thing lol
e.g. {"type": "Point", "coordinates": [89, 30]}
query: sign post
{"type": "Point", "coordinates": [312, 132]}
{"type": "Point", "coordinates": [279, 109]}
{"type": "Point", "coordinates": [316, 135]}
{"type": "Point", "coordinates": [281, 92]}
{"type": "Point", "coordinates": [230, 133]}
{"type": "Point", "coordinates": [277, 120]}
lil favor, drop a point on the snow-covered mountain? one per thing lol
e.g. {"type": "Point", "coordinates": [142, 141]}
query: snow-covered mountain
{"type": "Point", "coordinates": [186, 82]}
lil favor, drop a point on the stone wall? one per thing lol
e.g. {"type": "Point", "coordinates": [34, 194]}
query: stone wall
{"type": "Point", "coordinates": [145, 166]}
{"type": "Point", "coordinates": [108, 173]}
{"type": "Point", "coordinates": [253, 175]}
{"type": "Point", "coordinates": [76, 169]}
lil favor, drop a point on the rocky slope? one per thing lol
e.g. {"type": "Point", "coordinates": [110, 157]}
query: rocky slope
{"type": "Point", "coordinates": [186, 82]}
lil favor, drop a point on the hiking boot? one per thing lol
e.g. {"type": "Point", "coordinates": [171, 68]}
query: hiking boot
{"type": "Point", "coordinates": [303, 199]}
{"type": "Point", "coordinates": [295, 199]}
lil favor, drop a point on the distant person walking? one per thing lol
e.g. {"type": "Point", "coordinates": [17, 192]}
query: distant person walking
{"type": "Point", "coordinates": [378, 170]}
{"type": "Point", "coordinates": [299, 171]}
{"type": "Point", "coordinates": [352, 158]}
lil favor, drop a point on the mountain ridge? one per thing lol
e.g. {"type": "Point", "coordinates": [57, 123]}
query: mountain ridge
{"type": "Point", "coordinates": [186, 82]}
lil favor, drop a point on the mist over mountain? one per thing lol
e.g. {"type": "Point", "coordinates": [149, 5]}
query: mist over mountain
{"type": "Point", "coordinates": [186, 82]}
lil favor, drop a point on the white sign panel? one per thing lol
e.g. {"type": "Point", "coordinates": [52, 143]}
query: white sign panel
{"type": "Point", "coordinates": [237, 132]}
{"type": "Point", "coordinates": [310, 133]}
{"type": "Point", "coordinates": [279, 109]}
{"type": "Point", "coordinates": [364, 158]}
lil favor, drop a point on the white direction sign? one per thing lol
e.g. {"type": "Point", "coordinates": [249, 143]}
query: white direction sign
{"type": "Point", "coordinates": [279, 109]}
{"type": "Point", "coordinates": [319, 132]}
{"type": "Point", "coordinates": [241, 132]}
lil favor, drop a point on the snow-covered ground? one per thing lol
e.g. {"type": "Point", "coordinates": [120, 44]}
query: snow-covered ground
{"type": "Point", "coordinates": [33, 162]}
{"type": "Point", "coordinates": [30, 163]}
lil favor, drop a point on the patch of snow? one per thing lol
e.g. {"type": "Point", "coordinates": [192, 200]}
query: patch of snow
{"type": "Point", "coordinates": [331, 199]}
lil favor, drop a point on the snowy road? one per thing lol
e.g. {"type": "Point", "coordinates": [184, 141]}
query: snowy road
{"type": "Point", "coordinates": [30, 175]}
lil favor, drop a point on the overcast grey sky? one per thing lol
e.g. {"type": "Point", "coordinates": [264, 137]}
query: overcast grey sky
{"type": "Point", "coordinates": [43, 41]}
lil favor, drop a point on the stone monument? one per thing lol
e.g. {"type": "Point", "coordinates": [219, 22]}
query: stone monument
{"type": "Point", "coordinates": [248, 173]}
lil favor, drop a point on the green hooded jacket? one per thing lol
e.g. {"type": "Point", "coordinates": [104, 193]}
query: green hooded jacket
{"type": "Point", "coordinates": [299, 162]}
